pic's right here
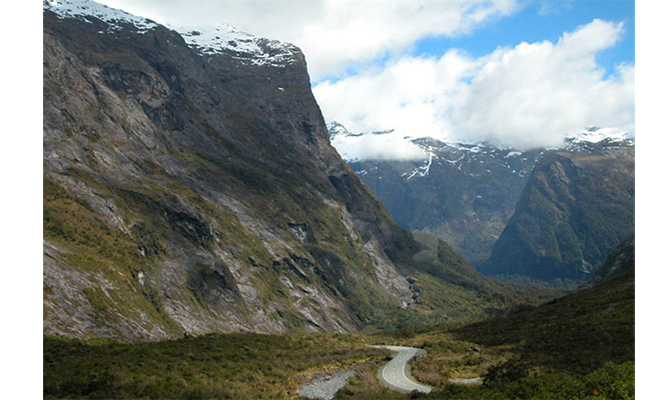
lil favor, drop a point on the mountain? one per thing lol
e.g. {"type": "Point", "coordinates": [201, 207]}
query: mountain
{"type": "Point", "coordinates": [483, 199]}
{"type": "Point", "coordinates": [190, 187]}
{"type": "Point", "coordinates": [578, 204]}
{"type": "Point", "coordinates": [464, 193]}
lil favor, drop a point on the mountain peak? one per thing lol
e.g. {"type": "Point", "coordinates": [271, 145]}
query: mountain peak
{"type": "Point", "coordinates": [221, 39]}
{"type": "Point", "coordinates": [243, 46]}
{"type": "Point", "coordinates": [596, 134]}
{"type": "Point", "coordinates": [357, 147]}
{"type": "Point", "coordinates": [336, 129]}
{"type": "Point", "coordinates": [83, 9]}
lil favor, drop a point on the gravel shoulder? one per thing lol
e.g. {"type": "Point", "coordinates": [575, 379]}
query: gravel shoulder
{"type": "Point", "coordinates": [325, 386]}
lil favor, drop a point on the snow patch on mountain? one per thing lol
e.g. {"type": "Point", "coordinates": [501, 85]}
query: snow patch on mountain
{"type": "Point", "coordinates": [469, 158]}
{"type": "Point", "coordinates": [596, 134]}
{"type": "Point", "coordinates": [225, 39]}
{"type": "Point", "coordinates": [82, 9]}
{"type": "Point", "coordinates": [336, 129]}
{"type": "Point", "coordinates": [423, 170]}
{"type": "Point", "coordinates": [221, 39]}
{"type": "Point", "coordinates": [389, 145]}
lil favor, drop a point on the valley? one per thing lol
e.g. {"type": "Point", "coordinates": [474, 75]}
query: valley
{"type": "Point", "coordinates": [576, 346]}
{"type": "Point", "coordinates": [213, 202]}
{"type": "Point", "coordinates": [207, 235]}
{"type": "Point", "coordinates": [547, 216]}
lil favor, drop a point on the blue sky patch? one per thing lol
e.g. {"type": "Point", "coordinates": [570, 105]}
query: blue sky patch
{"type": "Point", "coordinates": [539, 21]}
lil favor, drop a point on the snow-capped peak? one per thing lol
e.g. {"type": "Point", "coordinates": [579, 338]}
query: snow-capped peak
{"type": "Point", "coordinates": [382, 145]}
{"type": "Point", "coordinates": [596, 134]}
{"type": "Point", "coordinates": [426, 151]}
{"type": "Point", "coordinates": [336, 129]}
{"type": "Point", "coordinates": [241, 45]}
{"type": "Point", "coordinates": [221, 39]}
{"type": "Point", "coordinates": [84, 8]}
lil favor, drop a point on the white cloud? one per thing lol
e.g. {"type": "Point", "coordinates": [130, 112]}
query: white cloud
{"type": "Point", "coordinates": [333, 34]}
{"type": "Point", "coordinates": [410, 95]}
{"type": "Point", "coordinates": [377, 147]}
{"type": "Point", "coordinates": [530, 95]}
{"type": "Point", "coordinates": [535, 94]}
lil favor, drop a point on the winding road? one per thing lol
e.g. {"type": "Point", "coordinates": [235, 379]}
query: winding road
{"type": "Point", "coordinates": [396, 373]}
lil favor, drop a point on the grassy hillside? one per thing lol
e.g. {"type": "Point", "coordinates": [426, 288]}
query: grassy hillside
{"type": "Point", "coordinates": [578, 332]}
{"type": "Point", "coordinates": [578, 346]}
{"type": "Point", "coordinates": [619, 261]}
{"type": "Point", "coordinates": [235, 366]}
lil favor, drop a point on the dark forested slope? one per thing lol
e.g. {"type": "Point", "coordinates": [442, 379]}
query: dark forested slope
{"type": "Point", "coordinates": [576, 207]}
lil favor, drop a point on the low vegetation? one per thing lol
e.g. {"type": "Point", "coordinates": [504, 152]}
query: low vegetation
{"type": "Point", "coordinates": [238, 366]}
{"type": "Point", "coordinates": [579, 346]}
{"type": "Point", "coordinates": [579, 332]}
{"type": "Point", "coordinates": [611, 381]}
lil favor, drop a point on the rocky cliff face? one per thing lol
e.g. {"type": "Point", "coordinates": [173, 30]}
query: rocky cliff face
{"type": "Point", "coordinates": [579, 203]}
{"type": "Point", "coordinates": [192, 188]}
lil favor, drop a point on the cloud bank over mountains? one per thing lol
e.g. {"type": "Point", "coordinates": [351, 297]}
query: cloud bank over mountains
{"type": "Point", "coordinates": [378, 147]}
{"type": "Point", "coordinates": [334, 34]}
{"type": "Point", "coordinates": [367, 77]}
{"type": "Point", "coordinates": [530, 95]}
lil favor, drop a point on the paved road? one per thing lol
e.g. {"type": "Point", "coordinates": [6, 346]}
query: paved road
{"type": "Point", "coordinates": [396, 373]}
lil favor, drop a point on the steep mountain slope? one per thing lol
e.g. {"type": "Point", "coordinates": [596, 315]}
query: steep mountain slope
{"type": "Point", "coordinates": [190, 187]}
{"type": "Point", "coordinates": [578, 332]}
{"type": "Point", "coordinates": [620, 260]}
{"type": "Point", "coordinates": [462, 193]}
{"type": "Point", "coordinates": [577, 205]}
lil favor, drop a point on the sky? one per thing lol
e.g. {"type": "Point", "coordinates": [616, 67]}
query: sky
{"type": "Point", "coordinates": [514, 72]}
{"type": "Point", "coordinates": [524, 80]}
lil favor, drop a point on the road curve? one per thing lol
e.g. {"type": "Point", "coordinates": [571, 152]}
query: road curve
{"type": "Point", "coordinates": [396, 373]}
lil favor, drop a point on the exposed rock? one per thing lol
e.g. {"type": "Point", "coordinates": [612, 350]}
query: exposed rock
{"type": "Point", "coordinates": [325, 386]}
{"type": "Point", "coordinates": [467, 193]}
